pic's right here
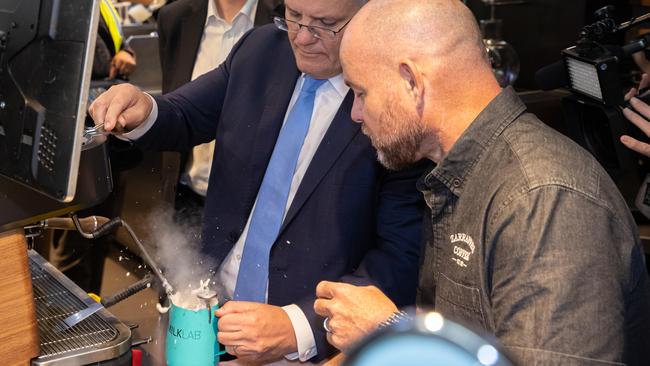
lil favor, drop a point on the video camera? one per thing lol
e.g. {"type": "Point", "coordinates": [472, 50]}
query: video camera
{"type": "Point", "coordinates": [593, 110]}
{"type": "Point", "coordinates": [590, 68]}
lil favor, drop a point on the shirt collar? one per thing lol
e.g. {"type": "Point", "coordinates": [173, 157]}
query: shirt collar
{"type": "Point", "coordinates": [455, 168]}
{"type": "Point", "coordinates": [336, 81]}
{"type": "Point", "coordinates": [339, 84]}
{"type": "Point", "coordinates": [249, 10]}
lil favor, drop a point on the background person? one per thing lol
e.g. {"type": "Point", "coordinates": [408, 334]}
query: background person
{"type": "Point", "coordinates": [639, 117]}
{"type": "Point", "coordinates": [113, 58]}
{"type": "Point", "coordinates": [195, 37]}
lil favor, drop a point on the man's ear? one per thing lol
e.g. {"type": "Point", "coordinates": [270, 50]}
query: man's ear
{"type": "Point", "coordinates": [413, 82]}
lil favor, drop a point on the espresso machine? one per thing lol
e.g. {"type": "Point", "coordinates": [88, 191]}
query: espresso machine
{"type": "Point", "coordinates": [49, 168]}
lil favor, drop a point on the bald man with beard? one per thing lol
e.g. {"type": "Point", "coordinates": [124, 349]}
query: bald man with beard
{"type": "Point", "coordinates": [528, 237]}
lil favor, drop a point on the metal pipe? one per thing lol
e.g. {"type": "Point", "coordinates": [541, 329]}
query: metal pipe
{"type": "Point", "coordinates": [119, 222]}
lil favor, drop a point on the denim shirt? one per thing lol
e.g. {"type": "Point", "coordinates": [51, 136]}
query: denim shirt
{"type": "Point", "coordinates": [530, 240]}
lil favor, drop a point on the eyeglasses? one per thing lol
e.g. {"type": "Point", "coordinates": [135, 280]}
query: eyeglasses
{"type": "Point", "coordinates": [316, 31]}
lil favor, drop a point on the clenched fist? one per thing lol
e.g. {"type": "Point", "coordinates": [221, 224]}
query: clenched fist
{"type": "Point", "coordinates": [353, 311]}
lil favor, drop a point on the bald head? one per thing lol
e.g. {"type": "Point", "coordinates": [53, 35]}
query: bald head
{"type": "Point", "coordinates": [420, 73]}
{"type": "Point", "coordinates": [441, 31]}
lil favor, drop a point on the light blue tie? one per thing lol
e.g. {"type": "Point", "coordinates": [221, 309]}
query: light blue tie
{"type": "Point", "coordinates": [272, 197]}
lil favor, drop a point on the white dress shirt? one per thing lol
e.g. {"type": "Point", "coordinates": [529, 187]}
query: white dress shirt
{"type": "Point", "coordinates": [218, 39]}
{"type": "Point", "coordinates": [327, 102]}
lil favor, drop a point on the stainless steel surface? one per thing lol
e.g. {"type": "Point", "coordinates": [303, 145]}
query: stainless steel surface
{"type": "Point", "coordinates": [99, 337]}
{"type": "Point", "coordinates": [83, 107]}
{"type": "Point", "coordinates": [78, 317]}
{"type": "Point", "coordinates": [148, 78]}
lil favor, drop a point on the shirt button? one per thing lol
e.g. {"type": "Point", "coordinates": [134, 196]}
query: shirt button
{"type": "Point", "coordinates": [238, 256]}
{"type": "Point", "coordinates": [456, 183]}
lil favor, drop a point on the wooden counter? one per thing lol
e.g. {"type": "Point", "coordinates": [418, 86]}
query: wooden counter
{"type": "Point", "coordinates": [19, 341]}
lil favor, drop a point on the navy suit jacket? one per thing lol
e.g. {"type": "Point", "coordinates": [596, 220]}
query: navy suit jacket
{"type": "Point", "coordinates": [351, 220]}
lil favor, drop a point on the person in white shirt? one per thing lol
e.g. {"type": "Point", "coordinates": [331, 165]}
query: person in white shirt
{"type": "Point", "coordinates": [195, 36]}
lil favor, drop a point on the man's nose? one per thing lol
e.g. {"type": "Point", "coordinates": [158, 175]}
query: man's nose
{"type": "Point", "coordinates": [357, 112]}
{"type": "Point", "coordinates": [304, 35]}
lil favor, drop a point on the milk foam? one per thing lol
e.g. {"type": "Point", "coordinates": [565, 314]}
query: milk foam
{"type": "Point", "coordinates": [189, 300]}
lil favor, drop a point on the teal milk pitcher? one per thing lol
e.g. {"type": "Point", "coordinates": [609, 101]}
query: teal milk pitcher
{"type": "Point", "coordinates": [192, 337]}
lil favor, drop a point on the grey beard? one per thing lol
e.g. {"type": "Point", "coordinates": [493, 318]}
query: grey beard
{"type": "Point", "coordinates": [399, 151]}
{"type": "Point", "coordinates": [400, 154]}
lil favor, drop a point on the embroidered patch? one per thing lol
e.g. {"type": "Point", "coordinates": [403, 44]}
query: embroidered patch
{"type": "Point", "coordinates": [463, 248]}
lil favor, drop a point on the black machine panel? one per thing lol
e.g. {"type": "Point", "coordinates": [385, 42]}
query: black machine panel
{"type": "Point", "coordinates": [46, 49]}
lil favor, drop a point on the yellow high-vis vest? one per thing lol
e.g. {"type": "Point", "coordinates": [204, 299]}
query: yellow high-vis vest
{"type": "Point", "coordinates": [113, 21]}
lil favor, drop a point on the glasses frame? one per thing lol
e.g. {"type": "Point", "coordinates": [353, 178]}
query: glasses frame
{"type": "Point", "coordinates": [283, 24]}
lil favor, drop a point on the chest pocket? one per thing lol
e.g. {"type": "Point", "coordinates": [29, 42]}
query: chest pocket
{"type": "Point", "coordinates": [460, 303]}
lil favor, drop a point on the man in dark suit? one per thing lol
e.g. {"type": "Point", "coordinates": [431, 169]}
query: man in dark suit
{"type": "Point", "coordinates": [341, 215]}
{"type": "Point", "coordinates": [195, 37]}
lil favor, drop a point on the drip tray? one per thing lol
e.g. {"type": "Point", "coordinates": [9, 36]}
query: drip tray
{"type": "Point", "coordinates": [100, 337]}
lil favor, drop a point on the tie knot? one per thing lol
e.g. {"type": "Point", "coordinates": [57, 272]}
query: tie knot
{"type": "Point", "coordinates": [311, 85]}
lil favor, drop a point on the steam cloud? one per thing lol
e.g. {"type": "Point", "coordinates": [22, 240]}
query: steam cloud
{"type": "Point", "coordinates": [178, 251]}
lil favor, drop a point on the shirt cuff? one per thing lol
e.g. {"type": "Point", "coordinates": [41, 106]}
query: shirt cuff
{"type": "Point", "coordinates": [304, 336]}
{"type": "Point", "coordinates": [144, 127]}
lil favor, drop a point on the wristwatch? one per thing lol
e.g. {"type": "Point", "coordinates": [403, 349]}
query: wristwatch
{"type": "Point", "coordinates": [395, 318]}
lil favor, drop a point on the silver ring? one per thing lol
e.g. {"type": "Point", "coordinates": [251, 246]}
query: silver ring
{"type": "Point", "coordinates": [234, 350]}
{"type": "Point", "coordinates": [326, 325]}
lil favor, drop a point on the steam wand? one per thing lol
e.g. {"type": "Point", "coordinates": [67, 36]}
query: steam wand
{"type": "Point", "coordinates": [114, 223]}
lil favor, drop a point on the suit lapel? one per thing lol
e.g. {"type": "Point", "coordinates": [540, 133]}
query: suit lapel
{"type": "Point", "coordinates": [192, 27]}
{"type": "Point", "coordinates": [341, 131]}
